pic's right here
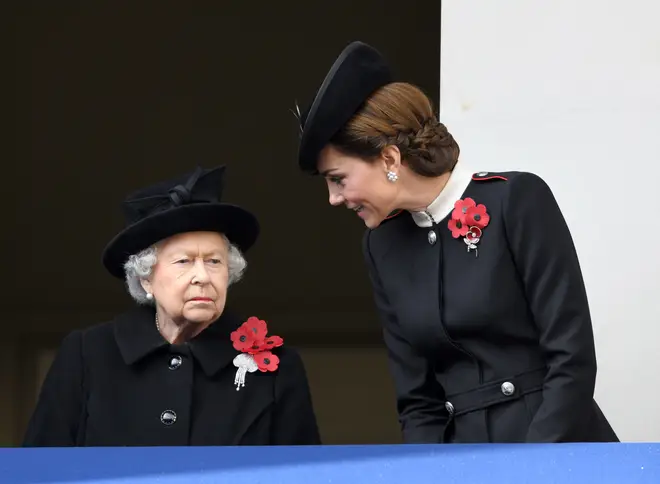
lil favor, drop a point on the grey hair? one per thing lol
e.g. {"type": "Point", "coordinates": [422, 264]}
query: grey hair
{"type": "Point", "coordinates": [138, 267]}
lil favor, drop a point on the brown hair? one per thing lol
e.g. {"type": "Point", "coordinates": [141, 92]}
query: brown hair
{"type": "Point", "coordinates": [400, 114]}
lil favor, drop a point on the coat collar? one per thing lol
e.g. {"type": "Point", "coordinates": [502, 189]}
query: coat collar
{"type": "Point", "coordinates": [137, 337]}
{"type": "Point", "coordinates": [443, 205]}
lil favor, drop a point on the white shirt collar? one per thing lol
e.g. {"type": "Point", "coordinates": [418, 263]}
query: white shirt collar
{"type": "Point", "coordinates": [442, 206]}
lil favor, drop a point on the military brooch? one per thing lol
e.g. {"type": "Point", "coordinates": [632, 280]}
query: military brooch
{"type": "Point", "coordinates": [252, 340]}
{"type": "Point", "coordinates": [468, 221]}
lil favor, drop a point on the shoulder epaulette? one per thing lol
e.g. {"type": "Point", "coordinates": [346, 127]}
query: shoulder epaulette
{"type": "Point", "coordinates": [486, 176]}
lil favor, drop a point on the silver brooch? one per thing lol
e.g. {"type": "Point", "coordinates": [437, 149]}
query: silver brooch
{"type": "Point", "coordinates": [472, 238]}
{"type": "Point", "coordinates": [245, 363]}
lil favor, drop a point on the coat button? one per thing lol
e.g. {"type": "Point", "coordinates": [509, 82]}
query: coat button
{"type": "Point", "coordinates": [175, 362]}
{"type": "Point", "coordinates": [508, 388]}
{"type": "Point", "coordinates": [450, 408]}
{"type": "Point", "coordinates": [168, 417]}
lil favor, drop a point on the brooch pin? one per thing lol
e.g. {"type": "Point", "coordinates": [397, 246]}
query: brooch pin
{"type": "Point", "coordinates": [468, 221]}
{"type": "Point", "coordinates": [252, 341]}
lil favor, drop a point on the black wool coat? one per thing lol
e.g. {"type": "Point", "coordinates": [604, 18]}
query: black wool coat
{"type": "Point", "coordinates": [121, 384]}
{"type": "Point", "coordinates": [495, 345]}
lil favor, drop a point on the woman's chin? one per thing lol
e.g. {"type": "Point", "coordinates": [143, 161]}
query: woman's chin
{"type": "Point", "coordinates": [201, 315]}
{"type": "Point", "coordinates": [371, 220]}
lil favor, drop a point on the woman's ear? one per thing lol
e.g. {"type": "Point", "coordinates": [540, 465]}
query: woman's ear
{"type": "Point", "coordinates": [391, 158]}
{"type": "Point", "coordinates": [146, 285]}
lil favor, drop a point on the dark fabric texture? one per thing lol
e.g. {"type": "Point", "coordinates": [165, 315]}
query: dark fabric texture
{"type": "Point", "coordinates": [355, 75]}
{"type": "Point", "coordinates": [110, 385]}
{"type": "Point", "coordinates": [462, 327]}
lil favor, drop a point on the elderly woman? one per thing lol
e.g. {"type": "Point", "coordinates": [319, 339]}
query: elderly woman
{"type": "Point", "coordinates": [180, 369]}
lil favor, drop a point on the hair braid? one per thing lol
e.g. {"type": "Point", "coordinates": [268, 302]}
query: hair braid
{"type": "Point", "coordinates": [400, 114]}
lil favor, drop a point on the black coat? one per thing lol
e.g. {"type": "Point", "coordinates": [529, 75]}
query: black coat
{"type": "Point", "coordinates": [495, 345]}
{"type": "Point", "coordinates": [122, 384]}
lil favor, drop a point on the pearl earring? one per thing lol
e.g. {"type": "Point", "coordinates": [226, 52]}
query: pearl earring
{"type": "Point", "coordinates": [150, 296]}
{"type": "Point", "coordinates": [391, 176]}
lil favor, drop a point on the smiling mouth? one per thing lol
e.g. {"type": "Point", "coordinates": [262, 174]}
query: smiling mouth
{"type": "Point", "coordinates": [358, 209]}
{"type": "Point", "coordinates": [202, 299]}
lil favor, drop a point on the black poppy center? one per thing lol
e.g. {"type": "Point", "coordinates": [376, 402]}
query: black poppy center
{"type": "Point", "coordinates": [477, 217]}
{"type": "Point", "coordinates": [459, 224]}
{"type": "Point", "coordinates": [464, 209]}
{"type": "Point", "coordinates": [267, 361]}
{"type": "Point", "coordinates": [242, 338]}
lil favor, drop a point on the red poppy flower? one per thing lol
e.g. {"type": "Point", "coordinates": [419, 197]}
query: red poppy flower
{"type": "Point", "coordinates": [256, 327]}
{"type": "Point", "coordinates": [242, 339]}
{"type": "Point", "coordinates": [271, 342]}
{"type": "Point", "coordinates": [461, 208]}
{"type": "Point", "coordinates": [458, 229]}
{"type": "Point", "coordinates": [477, 216]}
{"type": "Point", "coordinates": [255, 348]}
{"type": "Point", "coordinates": [267, 361]}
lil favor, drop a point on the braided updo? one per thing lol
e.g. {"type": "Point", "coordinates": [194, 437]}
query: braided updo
{"type": "Point", "coordinates": [400, 114]}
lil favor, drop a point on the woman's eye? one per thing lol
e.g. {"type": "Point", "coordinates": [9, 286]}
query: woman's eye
{"type": "Point", "coordinates": [336, 180]}
{"type": "Point", "coordinates": [215, 261]}
{"type": "Point", "coordinates": [183, 261]}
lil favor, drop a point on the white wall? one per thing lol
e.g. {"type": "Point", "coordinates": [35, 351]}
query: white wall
{"type": "Point", "coordinates": [570, 90]}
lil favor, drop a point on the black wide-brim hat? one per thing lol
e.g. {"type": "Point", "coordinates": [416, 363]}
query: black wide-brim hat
{"type": "Point", "coordinates": [358, 72]}
{"type": "Point", "coordinates": [189, 203]}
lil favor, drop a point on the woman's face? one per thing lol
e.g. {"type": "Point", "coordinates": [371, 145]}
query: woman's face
{"type": "Point", "coordinates": [360, 185]}
{"type": "Point", "coordinates": [189, 281]}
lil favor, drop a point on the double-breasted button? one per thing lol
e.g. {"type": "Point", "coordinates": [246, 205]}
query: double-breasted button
{"type": "Point", "coordinates": [168, 417]}
{"type": "Point", "coordinates": [450, 408]}
{"type": "Point", "coordinates": [175, 362]}
{"type": "Point", "coordinates": [508, 388]}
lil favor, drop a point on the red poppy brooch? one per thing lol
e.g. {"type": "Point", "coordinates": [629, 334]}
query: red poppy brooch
{"type": "Point", "coordinates": [252, 340]}
{"type": "Point", "coordinates": [468, 221]}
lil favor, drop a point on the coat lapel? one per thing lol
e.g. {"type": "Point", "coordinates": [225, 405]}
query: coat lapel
{"type": "Point", "coordinates": [137, 337]}
{"type": "Point", "coordinates": [136, 334]}
{"type": "Point", "coordinates": [213, 347]}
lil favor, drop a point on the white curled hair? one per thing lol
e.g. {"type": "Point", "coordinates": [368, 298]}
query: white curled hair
{"type": "Point", "coordinates": [139, 266]}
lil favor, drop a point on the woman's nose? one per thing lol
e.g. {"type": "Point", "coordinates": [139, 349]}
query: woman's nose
{"type": "Point", "coordinates": [201, 275]}
{"type": "Point", "coordinates": [336, 199]}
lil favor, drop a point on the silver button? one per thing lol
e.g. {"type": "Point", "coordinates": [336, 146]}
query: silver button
{"type": "Point", "coordinates": [432, 237]}
{"type": "Point", "coordinates": [175, 362]}
{"type": "Point", "coordinates": [449, 407]}
{"type": "Point", "coordinates": [168, 417]}
{"type": "Point", "coordinates": [508, 388]}
{"type": "Point", "coordinates": [482, 173]}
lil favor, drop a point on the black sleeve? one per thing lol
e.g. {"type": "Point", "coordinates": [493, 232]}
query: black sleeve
{"type": "Point", "coordinates": [547, 261]}
{"type": "Point", "coordinates": [55, 420]}
{"type": "Point", "coordinates": [294, 418]}
{"type": "Point", "coordinates": [420, 402]}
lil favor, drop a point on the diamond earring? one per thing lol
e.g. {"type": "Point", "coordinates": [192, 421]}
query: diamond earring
{"type": "Point", "coordinates": [391, 176]}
